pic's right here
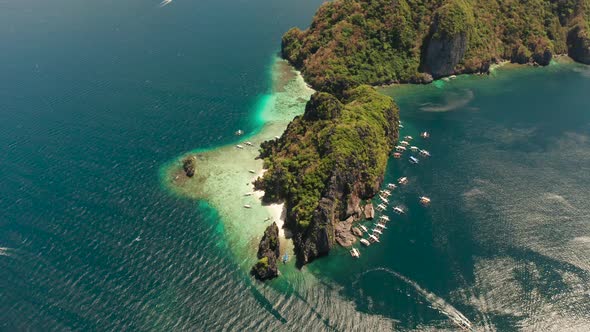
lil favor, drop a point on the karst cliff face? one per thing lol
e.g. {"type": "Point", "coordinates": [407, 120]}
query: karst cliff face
{"type": "Point", "coordinates": [327, 162]}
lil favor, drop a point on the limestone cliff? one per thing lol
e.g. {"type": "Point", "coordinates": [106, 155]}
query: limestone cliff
{"type": "Point", "coordinates": [268, 254]}
{"type": "Point", "coordinates": [326, 162]}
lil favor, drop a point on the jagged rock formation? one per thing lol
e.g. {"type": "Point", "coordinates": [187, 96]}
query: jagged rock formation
{"type": "Point", "coordinates": [326, 162]}
{"type": "Point", "coordinates": [268, 254]}
{"type": "Point", "coordinates": [369, 211]}
{"type": "Point", "coordinates": [188, 165]}
{"type": "Point", "coordinates": [352, 42]}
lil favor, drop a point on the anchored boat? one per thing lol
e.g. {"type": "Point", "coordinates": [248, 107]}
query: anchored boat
{"type": "Point", "coordinates": [365, 242]}
{"type": "Point", "coordinates": [364, 228]}
{"type": "Point", "coordinates": [397, 155]}
{"type": "Point", "coordinates": [425, 135]}
{"type": "Point", "coordinates": [424, 153]}
{"type": "Point", "coordinates": [355, 253]}
{"type": "Point", "coordinates": [391, 186]}
{"type": "Point", "coordinates": [424, 200]}
{"type": "Point", "coordinates": [414, 160]}
{"type": "Point", "coordinates": [239, 146]}
{"type": "Point", "coordinates": [373, 238]}
{"type": "Point", "coordinates": [398, 210]}
{"type": "Point", "coordinates": [402, 180]}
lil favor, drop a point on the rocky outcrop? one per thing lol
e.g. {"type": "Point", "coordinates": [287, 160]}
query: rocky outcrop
{"type": "Point", "coordinates": [268, 254]}
{"type": "Point", "coordinates": [188, 165]}
{"type": "Point", "coordinates": [344, 235]}
{"type": "Point", "coordinates": [369, 211]}
{"type": "Point", "coordinates": [579, 44]}
{"type": "Point", "coordinates": [448, 39]}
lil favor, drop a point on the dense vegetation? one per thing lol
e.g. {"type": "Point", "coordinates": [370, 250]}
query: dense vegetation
{"type": "Point", "coordinates": [353, 42]}
{"type": "Point", "coordinates": [354, 136]}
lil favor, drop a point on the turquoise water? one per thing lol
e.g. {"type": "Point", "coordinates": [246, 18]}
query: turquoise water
{"type": "Point", "coordinates": [96, 97]}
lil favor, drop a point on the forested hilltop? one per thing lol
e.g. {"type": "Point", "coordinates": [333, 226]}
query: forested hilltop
{"type": "Point", "coordinates": [353, 42]}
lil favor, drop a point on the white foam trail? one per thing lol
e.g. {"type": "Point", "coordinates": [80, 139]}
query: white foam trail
{"type": "Point", "coordinates": [165, 2]}
{"type": "Point", "coordinates": [4, 251]}
{"type": "Point", "coordinates": [435, 301]}
{"type": "Point", "coordinates": [451, 104]}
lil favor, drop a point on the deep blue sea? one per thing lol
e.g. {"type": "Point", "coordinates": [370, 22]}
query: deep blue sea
{"type": "Point", "coordinates": [95, 97]}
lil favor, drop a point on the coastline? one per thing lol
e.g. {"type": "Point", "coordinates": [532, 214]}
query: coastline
{"type": "Point", "coordinates": [224, 175]}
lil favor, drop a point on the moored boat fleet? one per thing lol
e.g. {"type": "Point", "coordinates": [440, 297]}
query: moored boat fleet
{"type": "Point", "coordinates": [374, 234]}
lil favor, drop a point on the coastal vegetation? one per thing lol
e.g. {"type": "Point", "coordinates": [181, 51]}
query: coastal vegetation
{"type": "Point", "coordinates": [327, 161]}
{"type": "Point", "coordinates": [334, 156]}
{"type": "Point", "coordinates": [352, 42]}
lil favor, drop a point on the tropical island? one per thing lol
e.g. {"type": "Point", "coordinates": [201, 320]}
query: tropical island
{"type": "Point", "coordinates": [331, 160]}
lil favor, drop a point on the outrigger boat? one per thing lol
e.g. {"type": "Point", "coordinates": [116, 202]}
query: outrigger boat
{"type": "Point", "coordinates": [424, 200]}
{"type": "Point", "coordinates": [414, 148]}
{"type": "Point", "coordinates": [355, 253]}
{"type": "Point", "coordinates": [239, 146]}
{"type": "Point", "coordinates": [408, 138]}
{"type": "Point", "coordinates": [425, 135]}
{"type": "Point", "coordinates": [404, 143]}
{"type": "Point", "coordinates": [373, 238]}
{"type": "Point", "coordinates": [365, 242]}
{"type": "Point", "coordinates": [402, 180]}
{"type": "Point", "coordinates": [398, 210]}
{"type": "Point", "coordinates": [364, 228]}
{"type": "Point", "coordinates": [385, 192]}
{"type": "Point", "coordinates": [252, 171]}
{"type": "Point", "coordinates": [249, 143]}
{"type": "Point", "coordinates": [247, 206]}
{"type": "Point", "coordinates": [424, 153]}
{"type": "Point", "coordinates": [391, 186]}
{"type": "Point", "coordinates": [381, 207]}
{"type": "Point", "coordinates": [383, 199]}
{"type": "Point", "coordinates": [384, 218]}
{"type": "Point", "coordinates": [239, 133]}
{"type": "Point", "coordinates": [397, 155]}
{"type": "Point", "coordinates": [414, 160]}
{"type": "Point", "coordinates": [378, 231]}
{"type": "Point", "coordinates": [381, 226]}
{"type": "Point", "coordinates": [400, 148]}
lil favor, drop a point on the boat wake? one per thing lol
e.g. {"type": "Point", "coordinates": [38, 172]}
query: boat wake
{"type": "Point", "coordinates": [453, 102]}
{"type": "Point", "coordinates": [435, 301]}
{"type": "Point", "coordinates": [165, 3]}
{"type": "Point", "coordinates": [4, 251]}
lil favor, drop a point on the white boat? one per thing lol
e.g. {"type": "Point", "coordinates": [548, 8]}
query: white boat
{"type": "Point", "coordinates": [378, 231]}
{"type": "Point", "coordinates": [383, 199]}
{"type": "Point", "coordinates": [384, 218]}
{"type": "Point", "coordinates": [400, 125]}
{"type": "Point", "coordinates": [404, 143]}
{"type": "Point", "coordinates": [414, 160]}
{"type": "Point", "coordinates": [373, 238]}
{"type": "Point", "coordinates": [385, 192]}
{"type": "Point", "coordinates": [247, 206]}
{"type": "Point", "coordinates": [398, 210]}
{"type": "Point", "coordinates": [408, 138]}
{"type": "Point", "coordinates": [424, 153]}
{"type": "Point", "coordinates": [252, 171]}
{"type": "Point", "coordinates": [239, 133]}
{"type": "Point", "coordinates": [402, 180]}
{"type": "Point", "coordinates": [381, 207]}
{"type": "Point", "coordinates": [249, 194]}
{"type": "Point", "coordinates": [381, 226]}
{"type": "Point", "coordinates": [355, 253]}
{"type": "Point", "coordinates": [239, 146]}
{"type": "Point", "coordinates": [249, 143]}
{"type": "Point", "coordinates": [364, 228]}
{"type": "Point", "coordinates": [425, 135]}
{"type": "Point", "coordinates": [278, 137]}
{"type": "Point", "coordinates": [391, 186]}
{"type": "Point", "coordinates": [400, 148]}
{"type": "Point", "coordinates": [452, 77]}
{"type": "Point", "coordinates": [414, 148]}
{"type": "Point", "coordinates": [424, 200]}
{"type": "Point", "coordinates": [365, 242]}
